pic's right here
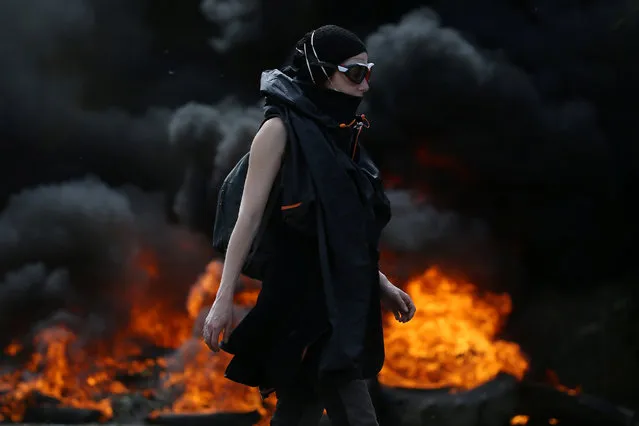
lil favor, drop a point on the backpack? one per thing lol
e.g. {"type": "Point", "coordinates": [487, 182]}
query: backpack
{"type": "Point", "coordinates": [227, 211]}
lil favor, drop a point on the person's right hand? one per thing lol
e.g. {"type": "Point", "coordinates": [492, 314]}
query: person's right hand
{"type": "Point", "coordinates": [219, 320]}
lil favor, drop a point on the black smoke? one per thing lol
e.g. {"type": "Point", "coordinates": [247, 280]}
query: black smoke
{"type": "Point", "coordinates": [513, 121]}
{"type": "Point", "coordinates": [210, 140]}
{"type": "Point", "coordinates": [540, 170]}
{"type": "Point", "coordinates": [94, 182]}
{"type": "Point", "coordinates": [87, 250]}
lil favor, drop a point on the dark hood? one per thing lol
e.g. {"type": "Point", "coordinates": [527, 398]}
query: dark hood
{"type": "Point", "coordinates": [322, 105]}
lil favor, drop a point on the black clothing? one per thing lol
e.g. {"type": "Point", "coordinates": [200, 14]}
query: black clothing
{"type": "Point", "coordinates": [322, 288]}
{"type": "Point", "coordinates": [302, 403]}
{"type": "Point", "coordinates": [336, 105]}
{"type": "Point", "coordinates": [334, 44]}
{"type": "Point", "coordinates": [348, 404]}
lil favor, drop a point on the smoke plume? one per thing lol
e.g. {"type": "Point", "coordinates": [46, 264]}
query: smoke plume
{"type": "Point", "coordinates": [238, 20]}
{"type": "Point", "coordinates": [83, 244]}
{"type": "Point", "coordinates": [507, 128]}
{"type": "Point", "coordinates": [63, 90]}
{"type": "Point", "coordinates": [487, 142]}
{"type": "Point", "coordinates": [211, 139]}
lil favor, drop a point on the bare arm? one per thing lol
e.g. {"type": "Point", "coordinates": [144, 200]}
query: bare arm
{"type": "Point", "coordinates": [383, 280]}
{"type": "Point", "coordinates": [264, 163]}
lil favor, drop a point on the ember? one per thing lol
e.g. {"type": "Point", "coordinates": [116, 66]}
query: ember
{"type": "Point", "coordinates": [53, 373]}
{"type": "Point", "coordinates": [451, 341]}
{"type": "Point", "coordinates": [519, 419]}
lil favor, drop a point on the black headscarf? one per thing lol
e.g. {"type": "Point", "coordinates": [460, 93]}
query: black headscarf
{"type": "Point", "coordinates": [327, 44]}
{"type": "Point", "coordinates": [331, 44]}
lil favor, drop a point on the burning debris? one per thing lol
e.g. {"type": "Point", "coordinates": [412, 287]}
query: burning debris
{"type": "Point", "coordinates": [451, 342]}
{"type": "Point", "coordinates": [189, 377]}
{"type": "Point", "coordinates": [159, 355]}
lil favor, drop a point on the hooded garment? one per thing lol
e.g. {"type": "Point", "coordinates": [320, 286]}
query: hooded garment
{"type": "Point", "coordinates": [322, 287]}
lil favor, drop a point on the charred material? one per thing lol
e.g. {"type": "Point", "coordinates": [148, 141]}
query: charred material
{"type": "Point", "coordinates": [45, 409]}
{"type": "Point", "coordinates": [540, 402]}
{"type": "Point", "coordinates": [61, 415]}
{"type": "Point", "coordinates": [491, 404]}
{"type": "Point", "coordinates": [213, 419]}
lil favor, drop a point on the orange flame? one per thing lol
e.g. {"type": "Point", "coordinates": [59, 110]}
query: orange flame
{"type": "Point", "coordinates": [450, 343]}
{"type": "Point", "coordinates": [85, 378]}
{"type": "Point", "coordinates": [200, 372]}
{"type": "Point", "coordinates": [56, 376]}
{"type": "Point", "coordinates": [553, 379]}
{"type": "Point", "coordinates": [519, 419]}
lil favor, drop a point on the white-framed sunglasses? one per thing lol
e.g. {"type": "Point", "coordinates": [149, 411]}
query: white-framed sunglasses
{"type": "Point", "coordinates": [356, 72]}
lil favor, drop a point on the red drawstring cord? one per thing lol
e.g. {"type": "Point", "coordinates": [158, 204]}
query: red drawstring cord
{"type": "Point", "coordinates": [360, 123]}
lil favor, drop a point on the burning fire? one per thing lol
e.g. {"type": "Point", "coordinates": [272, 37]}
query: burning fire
{"type": "Point", "coordinates": [450, 343]}
{"type": "Point", "coordinates": [87, 378]}
{"type": "Point", "coordinates": [199, 373]}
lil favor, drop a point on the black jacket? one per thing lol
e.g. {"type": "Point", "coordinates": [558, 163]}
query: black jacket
{"type": "Point", "coordinates": [332, 209]}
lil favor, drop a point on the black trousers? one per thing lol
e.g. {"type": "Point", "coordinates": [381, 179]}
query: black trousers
{"type": "Point", "coordinates": [347, 404]}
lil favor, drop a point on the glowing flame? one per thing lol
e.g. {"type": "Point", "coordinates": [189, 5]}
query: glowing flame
{"type": "Point", "coordinates": [200, 377]}
{"type": "Point", "coordinates": [519, 419]}
{"type": "Point", "coordinates": [86, 377]}
{"type": "Point", "coordinates": [204, 291]}
{"type": "Point", "coordinates": [553, 379]}
{"type": "Point", "coordinates": [450, 343]}
{"type": "Point", "coordinates": [522, 419]}
{"type": "Point", "coordinates": [56, 376]}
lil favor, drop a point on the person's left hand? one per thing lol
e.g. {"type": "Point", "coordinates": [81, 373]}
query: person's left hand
{"type": "Point", "coordinates": [398, 302]}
